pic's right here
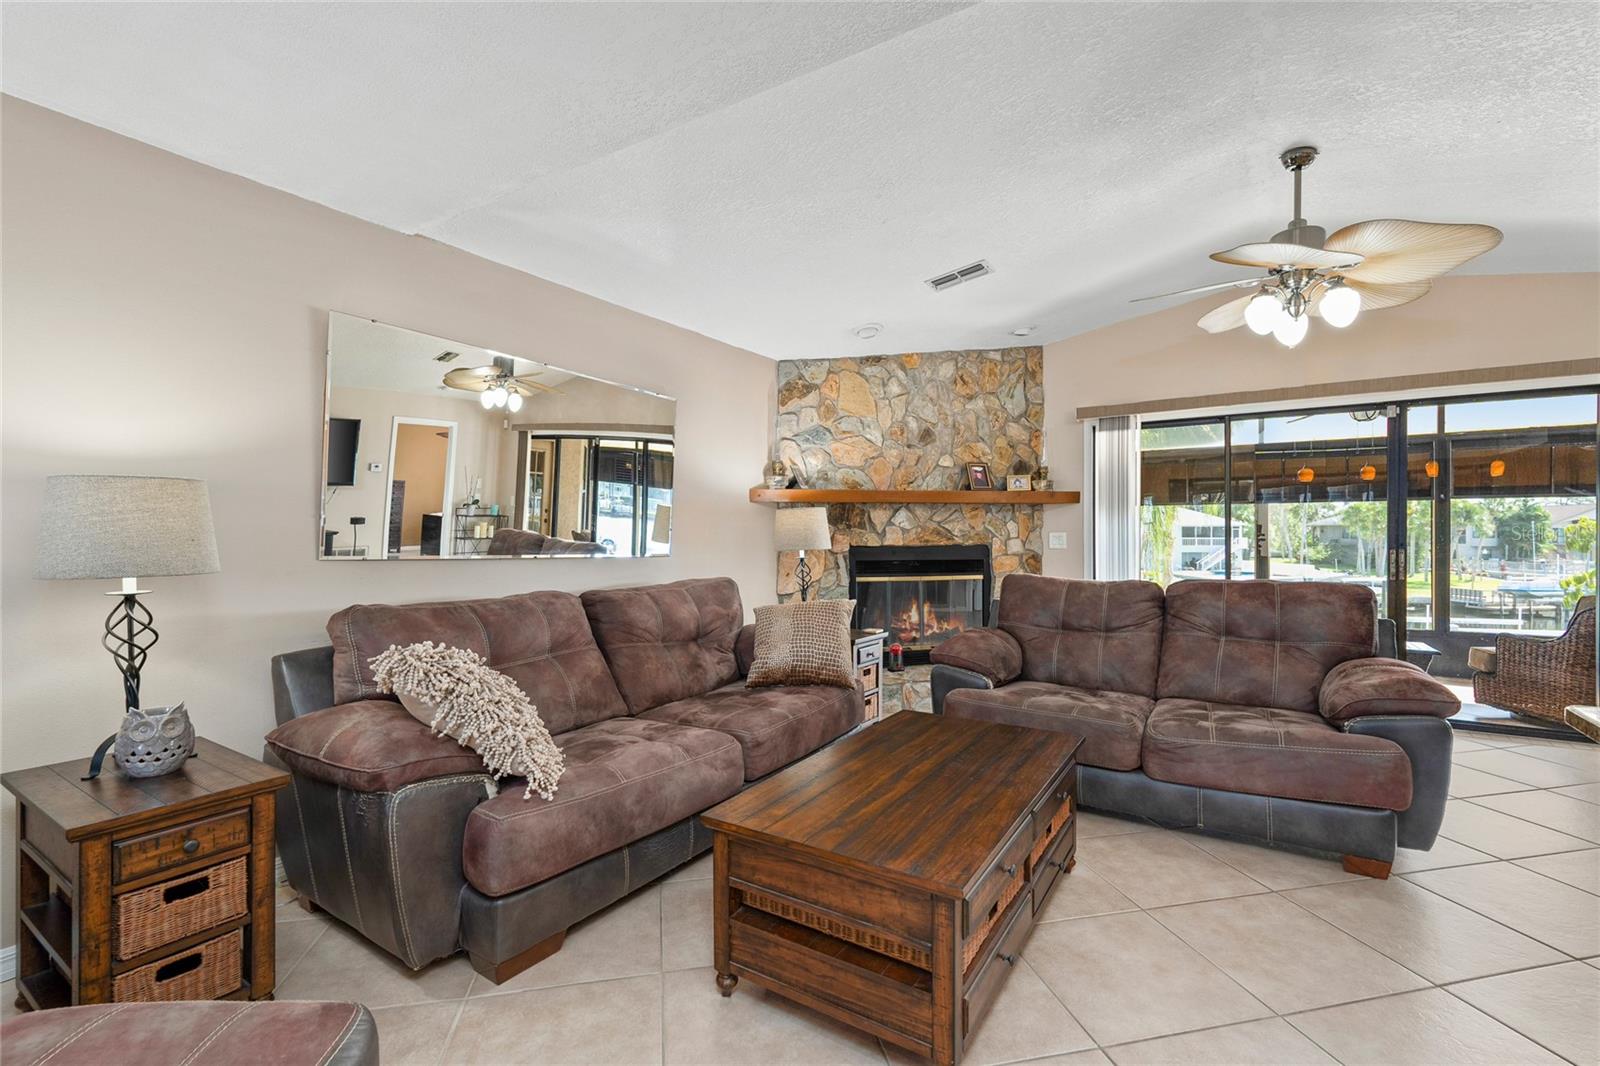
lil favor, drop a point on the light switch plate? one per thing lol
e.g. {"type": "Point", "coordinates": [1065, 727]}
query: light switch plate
{"type": "Point", "coordinates": [1058, 540]}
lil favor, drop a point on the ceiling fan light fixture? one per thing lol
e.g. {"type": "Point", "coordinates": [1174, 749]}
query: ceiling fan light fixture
{"type": "Point", "coordinates": [486, 398]}
{"type": "Point", "coordinates": [1340, 304]}
{"type": "Point", "coordinates": [514, 402]}
{"type": "Point", "coordinates": [1261, 314]}
{"type": "Point", "coordinates": [1290, 330]}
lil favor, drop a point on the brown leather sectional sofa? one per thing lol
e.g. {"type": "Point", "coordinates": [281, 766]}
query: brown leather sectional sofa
{"type": "Point", "coordinates": [404, 836]}
{"type": "Point", "coordinates": [1251, 708]}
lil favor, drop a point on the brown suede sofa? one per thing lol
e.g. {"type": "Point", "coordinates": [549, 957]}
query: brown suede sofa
{"type": "Point", "coordinates": [1257, 709]}
{"type": "Point", "coordinates": [404, 836]}
{"type": "Point", "coordinates": [527, 542]}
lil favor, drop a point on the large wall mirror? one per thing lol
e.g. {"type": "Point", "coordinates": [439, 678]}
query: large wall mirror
{"type": "Point", "coordinates": [436, 449]}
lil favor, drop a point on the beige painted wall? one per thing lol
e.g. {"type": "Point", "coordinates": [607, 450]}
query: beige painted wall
{"type": "Point", "coordinates": [1465, 323]}
{"type": "Point", "coordinates": [165, 318]}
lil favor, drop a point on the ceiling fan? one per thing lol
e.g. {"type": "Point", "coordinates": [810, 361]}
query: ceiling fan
{"type": "Point", "coordinates": [1367, 266]}
{"type": "Point", "coordinates": [497, 385]}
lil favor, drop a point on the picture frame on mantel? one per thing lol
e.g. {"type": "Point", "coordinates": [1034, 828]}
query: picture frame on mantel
{"type": "Point", "coordinates": [1019, 482]}
{"type": "Point", "coordinates": [978, 477]}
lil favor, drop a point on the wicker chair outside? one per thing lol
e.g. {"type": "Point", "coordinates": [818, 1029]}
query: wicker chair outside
{"type": "Point", "coordinates": [1541, 676]}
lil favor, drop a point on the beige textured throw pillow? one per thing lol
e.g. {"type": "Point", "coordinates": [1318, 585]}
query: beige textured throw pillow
{"type": "Point", "coordinates": [803, 644]}
{"type": "Point", "coordinates": [457, 694]}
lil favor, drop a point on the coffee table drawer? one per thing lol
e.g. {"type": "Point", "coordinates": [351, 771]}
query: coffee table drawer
{"type": "Point", "coordinates": [1001, 873]}
{"type": "Point", "coordinates": [1060, 791]}
{"type": "Point", "coordinates": [1053, 864]}
{"type": "Point", "coordinates": [991, 969]}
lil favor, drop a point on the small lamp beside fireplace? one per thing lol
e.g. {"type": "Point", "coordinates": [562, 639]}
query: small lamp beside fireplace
{"type": "Point", "coordinates": [802, 529]}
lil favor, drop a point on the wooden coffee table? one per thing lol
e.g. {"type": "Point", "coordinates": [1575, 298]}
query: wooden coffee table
{"type": "Point", "coordinates": [890, 880]}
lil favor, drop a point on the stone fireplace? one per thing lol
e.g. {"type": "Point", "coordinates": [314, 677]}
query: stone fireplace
{"type": "Point", "coordinates": [921, 596]}
{"type": "Point", "coordinates": [887, 423]}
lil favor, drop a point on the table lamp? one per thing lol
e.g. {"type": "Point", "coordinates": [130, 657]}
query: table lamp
{"type": "Point", "coordinates": [112, 526]}
{"type": "Point", "coordinates": [802, 529]}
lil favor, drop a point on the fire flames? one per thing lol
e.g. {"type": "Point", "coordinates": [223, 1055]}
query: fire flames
{"type": "Point", "coordinates": [921, 622]}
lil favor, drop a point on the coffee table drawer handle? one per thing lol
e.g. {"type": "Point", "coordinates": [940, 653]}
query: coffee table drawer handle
{"type": "Point", "coordinates": [1009, 960]}
{"type": "Point", "coordinates": [1009, 871]}
{"type": "Point", "coordinates": [1062, 866]}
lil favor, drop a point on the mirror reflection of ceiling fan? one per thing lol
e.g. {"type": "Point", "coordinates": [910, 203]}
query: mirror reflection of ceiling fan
{"type": "Point", "coordinates": [497, 385]}
{"type": "Point", "coordinates": [1367, 266]}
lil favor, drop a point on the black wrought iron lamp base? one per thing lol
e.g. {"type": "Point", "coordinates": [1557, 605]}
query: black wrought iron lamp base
{"type": "Point", "coordinates": [130, 633]}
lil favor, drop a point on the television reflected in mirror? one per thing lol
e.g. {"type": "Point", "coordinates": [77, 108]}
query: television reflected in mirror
{"type": "Point", "coordinates": [437, 449]}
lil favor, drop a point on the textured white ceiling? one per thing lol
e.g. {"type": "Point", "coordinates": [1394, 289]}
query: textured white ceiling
{"type": "Point", "coordinates": [775, 174]}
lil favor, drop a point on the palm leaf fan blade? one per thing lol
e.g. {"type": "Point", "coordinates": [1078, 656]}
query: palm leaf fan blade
{"type": "Point", "coordinates": [1270, 255]}
{"type": "Point", "coordinates": [1378, 297]}
{"type": "Point", "coordinates": [1398, 251]}
{"type": "Point", "coordinates": [1229, 316]}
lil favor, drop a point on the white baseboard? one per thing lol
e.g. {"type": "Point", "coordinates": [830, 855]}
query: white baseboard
{"type": "Point", "coordinates": [8, 963]}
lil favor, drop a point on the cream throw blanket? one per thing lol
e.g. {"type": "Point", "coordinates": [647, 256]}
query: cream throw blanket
{"type": "Point", "coordinates": [457, 694]}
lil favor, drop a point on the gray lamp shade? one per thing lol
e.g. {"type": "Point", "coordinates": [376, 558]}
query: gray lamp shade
{"type": "Point", "coordinates": [802, 529]}
{"type": "Point", "coordinates": [101, 525]}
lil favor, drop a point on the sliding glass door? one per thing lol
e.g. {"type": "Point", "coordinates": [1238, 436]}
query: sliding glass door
{"type": "Point", "coordinates": [1465, 517]}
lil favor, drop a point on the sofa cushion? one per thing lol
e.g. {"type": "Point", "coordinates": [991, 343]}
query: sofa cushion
{"type": "Point", "coordinates": [626, 778]}
{"type": "Point", "coordinates": [369, 746]}
{"type": "Point", "coordinates": [668, 642]}
{"type": "Point", "coordinates": [1093, 635]}
{"type": "Point", "coordinates": [1262, 643]}
{"type": "Point", "coordinates": [1269, 751]}
{"type": "Point", "coordinates": [1111, 723]}
{"type": "Point", "coordinates": [541, 640]}
{"type": "Point", "coordinates": [774, 725]}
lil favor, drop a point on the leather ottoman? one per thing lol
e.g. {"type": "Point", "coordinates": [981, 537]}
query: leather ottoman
{"type": "Point", "coordinates": [214, 1033]}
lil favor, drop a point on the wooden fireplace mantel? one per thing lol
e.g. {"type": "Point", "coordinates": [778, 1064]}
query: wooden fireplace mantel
{"type": "Point", "coordinates": [982, 497]}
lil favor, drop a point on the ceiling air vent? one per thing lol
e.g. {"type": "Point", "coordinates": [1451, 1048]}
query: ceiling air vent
{"type": "Point", "coordinates": [969, 272]}
{"type": "Point", "coordinates": [446, 357]}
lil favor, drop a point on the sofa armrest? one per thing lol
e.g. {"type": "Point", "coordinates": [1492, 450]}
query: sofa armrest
{"type": "Point", "coordinates": [994, 653]}
{"type": "Point", "coordinates": [946, 679]}
{"type": "Point", "coordinates": [744, 649]}
{"type": "Point", "coordinates": [1428, 742]}
{"type": "Point", "coordinates": [1362, 688]}
{"type": "Point", "coordinates": [387, 864]}
{"type": "Point", "coordinates": [369, 746]}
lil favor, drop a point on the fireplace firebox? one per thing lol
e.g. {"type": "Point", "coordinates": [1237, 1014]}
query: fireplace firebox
{"type": "Point", "coordinates": [921, 595]}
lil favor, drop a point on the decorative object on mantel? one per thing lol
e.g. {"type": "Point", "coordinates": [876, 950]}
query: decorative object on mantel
{"type": "Point", "coordinates": [1041, 479]}
{"type": "Point", "coordinates": [759, 494]}
{"type": "Point", "coordinates": [1368, 266]}
{"type": "Point", "coordinates": [778, 475]}
{"type": "Point", "coordinates": [1019, 483]}
{"type": "Point", "coordinates": [978, 477]}
{"type": "Point", "coordinates": [802, 529]}
{"type": "Point", "coordinates": [105, 526]}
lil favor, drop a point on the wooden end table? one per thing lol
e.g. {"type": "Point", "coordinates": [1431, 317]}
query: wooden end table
{"type": "Point", "coordinates": [890, 880]}
{"type": "Point", "coordinates": [132, 889]}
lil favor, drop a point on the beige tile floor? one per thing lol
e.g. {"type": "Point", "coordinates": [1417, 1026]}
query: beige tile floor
{"type": "Point", "coordinates": [1161, 947]}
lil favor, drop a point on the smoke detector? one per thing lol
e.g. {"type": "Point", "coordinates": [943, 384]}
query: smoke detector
{"type": "Point", "coordinates": [1023, 331]}
{"type": "Point", "coordinates": [869, 330]}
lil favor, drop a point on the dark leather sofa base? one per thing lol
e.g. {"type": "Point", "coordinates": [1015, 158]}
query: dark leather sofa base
{"type": "Point", "coordinates": [497, 931]}
{"type": "Point", "coordinates": [1355, 833]}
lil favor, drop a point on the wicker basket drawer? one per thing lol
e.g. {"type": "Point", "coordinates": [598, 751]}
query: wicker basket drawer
{"type": "Point", "coordinates": [150, 917]}
{"type": "Point", "coordinates": [209, 971]}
